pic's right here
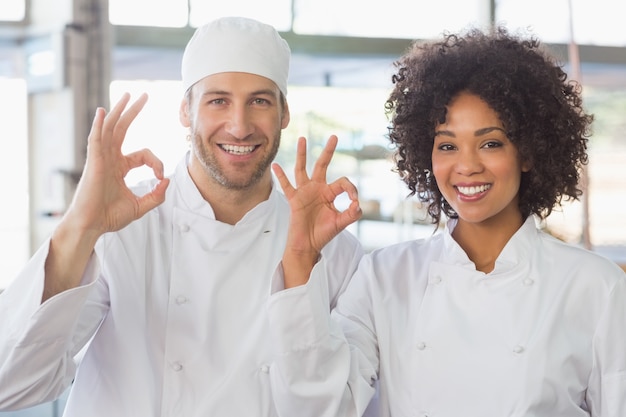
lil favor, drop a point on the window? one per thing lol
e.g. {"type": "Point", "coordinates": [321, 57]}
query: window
{"type": "Point", "coordinates": [274, 12]}
{"type": "Point", "coordinates": [157, 127]}
{"type": "Point", "coordinates": [411, 19]}
{"type": "Point", "coordinates": [180, 13]}
{"type": "Point", "coordinates": [12, 10]}
{"type": "Point", "coordinates": [163, 13]}
{"type": "Point", "coordinates": [594, 22]}
{"type": "Point", "coordinates": [13, 179]}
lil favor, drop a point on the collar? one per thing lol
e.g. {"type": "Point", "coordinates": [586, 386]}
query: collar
{"type": "Point", "coordinates": [516, 252]}
{"type": "Point", "coordinates": [193, 201]}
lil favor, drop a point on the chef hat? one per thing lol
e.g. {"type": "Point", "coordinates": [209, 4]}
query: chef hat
{"type": "Point", "coordinates": [236, 44]}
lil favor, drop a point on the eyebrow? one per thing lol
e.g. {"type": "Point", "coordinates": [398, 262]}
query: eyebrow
{"type": "Point", "coordinates": [479, 132]}
{"type": "Point", "coordinates": [262, 92]}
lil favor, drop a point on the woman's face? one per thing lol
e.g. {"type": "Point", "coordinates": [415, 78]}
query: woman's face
{"type": "Point", "coordinates": [477, 168]}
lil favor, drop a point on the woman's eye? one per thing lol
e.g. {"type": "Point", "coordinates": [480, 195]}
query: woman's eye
{"type": "Point", "coordinates": [446, 147]}
{"type": "Point", "coordinates": [493, 144]}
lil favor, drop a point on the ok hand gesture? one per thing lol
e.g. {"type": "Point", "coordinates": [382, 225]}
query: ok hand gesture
{"type": "Point", "coordinates": [103, 202]}
{"type": "Point", "coordinates": [314, 220]}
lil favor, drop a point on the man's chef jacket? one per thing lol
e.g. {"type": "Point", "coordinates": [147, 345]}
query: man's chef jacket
{"type": "Point", "coordinates": [542, 335]}
{"type": "Point", "coordinates": [171, 317]}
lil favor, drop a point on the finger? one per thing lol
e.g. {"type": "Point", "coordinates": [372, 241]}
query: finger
{"type": "Point", "coordinates": [146, 157]}
{"type": "Point", "coordinates": [349, 216]}
{"type": "Point", "coordinates": [96, 126]}
{"type": "Point", "coordinates": [114, 114]}
{"type": "Point", "coordinates": [344, 185]}
{"type": "Point", "coordinates": [152, 199]}
{"type": "Point", "coordinates": [301, 175]}
{"type": "Point", "coordinates": [284, 182]}
{"type": "Point", "coordinates": [353, 212]}
{"type": "Point", "coordinates": [321, 165]}
{"type": "Point", "coordinates": [122, 125]}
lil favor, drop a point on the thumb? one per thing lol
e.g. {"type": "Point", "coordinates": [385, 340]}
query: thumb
{"type": "Point", "coordinates": [154, 198]}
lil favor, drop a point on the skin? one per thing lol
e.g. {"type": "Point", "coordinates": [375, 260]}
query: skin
{"type": "Point", "coordinates": [478, 171]}
{"type": "Point", "coordinates": [227, 111]}
{"type": "Point", "coordinates": [314, 219]}
{"type": "Point", "coordinates": [235, 120]}
{"type": "Point", "coordinates": [102, 202]}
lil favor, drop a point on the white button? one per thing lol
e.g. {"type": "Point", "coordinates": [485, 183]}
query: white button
{"type": "Point", "coordinates": [177, 366]}
{"type": "Point", "coordinates": [421, 346]}
{"type": "Point", "coordinates": [528, 282]}
{"type": "Point", "coordinates": [181, 299]}
{"type": "Point", "coordinates": [518, 349]}
{"type": "Point", "coordinates": [436, 280]}
{"type": "Point", "coordinates": [184, 228]}
{"type": "Point", "coordinates": [265, 369]}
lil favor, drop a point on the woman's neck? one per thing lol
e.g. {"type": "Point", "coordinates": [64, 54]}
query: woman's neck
{"type": "Point", "coordinates": [483, 242]}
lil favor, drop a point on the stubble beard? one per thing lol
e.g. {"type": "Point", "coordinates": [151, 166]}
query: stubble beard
{"type": "Point", "coordinates": [218, 174]}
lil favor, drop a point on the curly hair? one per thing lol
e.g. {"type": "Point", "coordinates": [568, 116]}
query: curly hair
{"type": "Point", "coordinates": [539, 107]}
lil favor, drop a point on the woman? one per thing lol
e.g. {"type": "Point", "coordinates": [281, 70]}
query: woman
{"type": "Point", "coordinates": [491, 317]}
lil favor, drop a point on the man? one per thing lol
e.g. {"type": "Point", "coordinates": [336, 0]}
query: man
{"type": "Point", "coordinates": [161, 290]}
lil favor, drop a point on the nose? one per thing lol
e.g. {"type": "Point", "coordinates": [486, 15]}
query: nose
{"type": "Point", "coordinates": [468, 162]}
{"type": "Point", "coordinates": [239, 122]}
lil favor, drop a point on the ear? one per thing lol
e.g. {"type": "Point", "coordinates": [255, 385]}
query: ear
{"type": "Point", "coordinates": [286, 116]}
{"type": "Point", "coordinates": [184, 114]}
{"type": "Point", "coordinates": [526, 166]}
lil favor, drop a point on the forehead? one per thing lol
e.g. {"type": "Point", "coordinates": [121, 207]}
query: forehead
{"type": "Point", "coordinates": [236, 83]}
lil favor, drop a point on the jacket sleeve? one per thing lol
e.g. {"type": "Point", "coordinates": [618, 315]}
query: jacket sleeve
{"type": "Point", "coordinates": [606, 394]}
{"type": "Point", "coordinates": [316, 371]}
{"type": "Point", "coordinates": [38, 341]}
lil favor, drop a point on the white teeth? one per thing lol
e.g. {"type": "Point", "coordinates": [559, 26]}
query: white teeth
{"type": "Point", "coordinates": [470, 191]}
{"type": "Point", "coordinates": [238, 150]}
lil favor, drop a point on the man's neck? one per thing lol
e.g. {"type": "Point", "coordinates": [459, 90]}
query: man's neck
{"type": "Point", "coordinates": [231, 205]}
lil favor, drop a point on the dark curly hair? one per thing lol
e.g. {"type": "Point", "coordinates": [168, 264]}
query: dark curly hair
{"type": "Point", "coordinates": [540, 109]}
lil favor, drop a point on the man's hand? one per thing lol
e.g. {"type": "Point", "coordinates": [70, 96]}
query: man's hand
{"type": "Point", "coordinates": [314, 220]}
{"type": "Point", "coordinates": [102, 202]}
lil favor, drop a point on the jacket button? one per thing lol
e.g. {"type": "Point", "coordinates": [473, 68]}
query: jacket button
{"type": "Point", "coordinates": [421, 346]}
{"type": "Point", "coordinates": [518, 349]}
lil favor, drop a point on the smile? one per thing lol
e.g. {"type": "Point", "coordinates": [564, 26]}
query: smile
{"type": "Point", "coordinates": [471, 191]}
{"type": "Point", "coordinates": [238, 149]}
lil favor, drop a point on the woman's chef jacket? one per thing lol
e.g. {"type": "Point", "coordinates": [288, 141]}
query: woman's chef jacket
{"type": "Point", "coordinates": [542, 335]}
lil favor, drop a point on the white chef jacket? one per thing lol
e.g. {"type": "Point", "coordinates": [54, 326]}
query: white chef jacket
{"type": "Point", "coordinates": [542, 335]}
{"type": "Point", "coordinates": [174, 308]}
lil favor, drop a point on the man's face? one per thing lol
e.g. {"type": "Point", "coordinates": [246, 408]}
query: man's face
{"type": "Point", "coordinates": [235, 120]}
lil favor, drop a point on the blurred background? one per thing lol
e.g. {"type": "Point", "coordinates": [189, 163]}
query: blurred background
{"type": "Point", "coordinates": [60, 60]}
